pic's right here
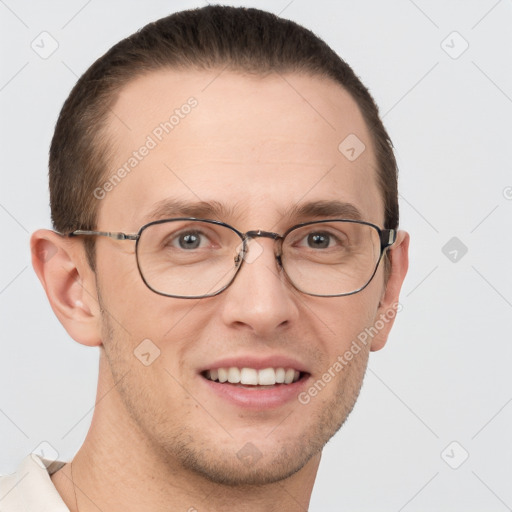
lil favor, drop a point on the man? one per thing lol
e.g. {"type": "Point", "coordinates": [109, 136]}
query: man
{"type": "Point", "coordinates": [225, 205]}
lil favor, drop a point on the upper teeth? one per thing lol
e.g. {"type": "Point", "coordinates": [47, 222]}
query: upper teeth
{"type": "Point", "coordinates": [251, 376]}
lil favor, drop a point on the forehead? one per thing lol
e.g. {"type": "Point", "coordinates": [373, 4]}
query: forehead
{"type": "Point", "coordinates": [256, 145]}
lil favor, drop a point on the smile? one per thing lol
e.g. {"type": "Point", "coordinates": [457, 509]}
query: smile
{"type": "Point", "coordinates": [252, 376]}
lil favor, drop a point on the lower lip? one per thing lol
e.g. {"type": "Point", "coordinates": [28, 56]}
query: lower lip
{"type": "Point", "coordinates": [257, 397]}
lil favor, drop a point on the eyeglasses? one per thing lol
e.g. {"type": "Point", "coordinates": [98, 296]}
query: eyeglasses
{"type": "Point", "coordinates": [193, 258]}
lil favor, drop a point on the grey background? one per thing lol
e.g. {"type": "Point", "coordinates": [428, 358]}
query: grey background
{"type": "Point", "coordinates": [445, 373]}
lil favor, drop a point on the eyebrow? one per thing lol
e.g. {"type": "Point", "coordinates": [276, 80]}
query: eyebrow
{"type": "Point", "coordinates": [325, 209]}
{"type": "Point", "coordinates": [169, 208]}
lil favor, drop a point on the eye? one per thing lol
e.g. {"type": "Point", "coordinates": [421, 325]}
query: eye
{"type": "Point", "coordinates": [189, 240]}
{"type": "Point", "coordinates": [319, 240]}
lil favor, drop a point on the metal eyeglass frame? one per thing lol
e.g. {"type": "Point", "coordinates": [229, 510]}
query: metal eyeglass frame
{"type": "Point", "coordinates": [387, 239]}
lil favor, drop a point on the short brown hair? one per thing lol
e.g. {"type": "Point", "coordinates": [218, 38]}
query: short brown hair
{"type": "Point", "coordinates": [240, 39]}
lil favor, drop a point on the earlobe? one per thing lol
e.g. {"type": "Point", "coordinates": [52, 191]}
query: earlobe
{"type": "Point", "coordinates": [69, 283]}
{"type": "Point", "coordinates": [389, 304]}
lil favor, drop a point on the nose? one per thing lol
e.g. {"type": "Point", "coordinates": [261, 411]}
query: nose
{"type": "Point", "coordinates": [260, 300]}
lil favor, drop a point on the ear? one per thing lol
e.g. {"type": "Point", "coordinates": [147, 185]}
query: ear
{"type": "Point", "coordinates": [389, 304]}
{"type": "Point", "coordinates": [70, 284]}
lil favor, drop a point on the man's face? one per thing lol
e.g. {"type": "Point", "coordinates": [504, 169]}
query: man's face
{"type": "Point", "coordinates": [259, 148]}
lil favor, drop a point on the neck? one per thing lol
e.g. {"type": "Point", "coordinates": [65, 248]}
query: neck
{"type": "Point", "coordinates": [118, 468]}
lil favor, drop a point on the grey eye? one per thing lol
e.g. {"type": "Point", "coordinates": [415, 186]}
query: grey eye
{"type": "Point", "coordinates": [318, 240]}
{"type": "Point", "coordinates": [189, 240]}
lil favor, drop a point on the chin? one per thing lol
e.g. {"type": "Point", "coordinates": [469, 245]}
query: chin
{"type": "Point", "coordinates": [244, 469]}
{"type": "Point", "coordinates": [254, 461]}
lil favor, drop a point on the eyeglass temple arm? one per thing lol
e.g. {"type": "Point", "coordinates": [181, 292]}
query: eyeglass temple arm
{"type": "Point", "coordinates": [387, 238]}
{"type": "Point", "coordinates": [114, 235]}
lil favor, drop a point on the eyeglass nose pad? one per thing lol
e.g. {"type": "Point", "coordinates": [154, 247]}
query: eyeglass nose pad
{"type": "Point", "coordinates": [278, 251]}
{"type": "Point", "coordinates": [240, 255]}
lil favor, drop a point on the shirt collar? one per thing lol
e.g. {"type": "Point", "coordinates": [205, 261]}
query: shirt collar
{"type": "Point", "coordinates": [30, 488]}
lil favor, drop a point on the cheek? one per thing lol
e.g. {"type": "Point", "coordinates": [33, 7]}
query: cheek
{"type": "Point", "coordinates": [136, 310]}
{"type": "Point", "coordinates": [152, 396]}
{"type": "Point", "coordinates": [340, 320]}
{"type": "Point", "coordinates": [118, 278]}
{"type": "Point", "coordinates": [147, 370]}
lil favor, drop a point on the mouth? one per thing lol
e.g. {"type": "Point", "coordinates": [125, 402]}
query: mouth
{"type": "Point", "coordinates": [253, 378]}
{"type": "Point", "coordinates": [256, 383]}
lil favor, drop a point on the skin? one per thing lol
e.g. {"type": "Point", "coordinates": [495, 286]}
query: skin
{"type": "Point", "coordinates": [160, 439]}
